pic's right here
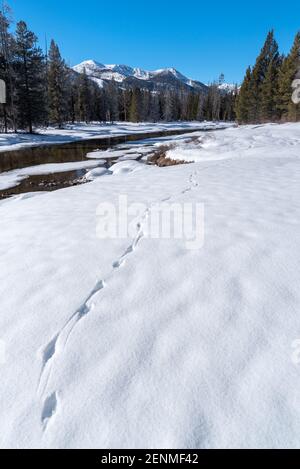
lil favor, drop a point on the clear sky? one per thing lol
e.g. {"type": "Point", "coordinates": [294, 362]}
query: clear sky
{"type": "Point", "coordinates": [199, 38]}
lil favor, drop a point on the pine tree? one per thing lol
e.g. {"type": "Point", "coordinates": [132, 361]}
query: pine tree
{"type": "Point", "coordinates": [193, 100]}
{"type": "Point", "coordinates": [125, 99]}
{"type": "Point", "coordinates": [29, 68]}
{"type": "Point", "coordinates": [112, 101]}
{"type": "Point", "coordinates": [135, 106]}
{"type": "Point", "coordinates": [200, 107]}
{"type": "Point", "coordinates": [216, 102]}
{"type": "Point", "coordinates": [169, 110]}
{"type": "Point", "coordinates": [228, 102]}
{"type": "Point", "coordinates": [183, 105]}
{"type": "Point", "coordinates": [83, 98]}
{"type": "Point", "coordinates": [269, 92]}
{"type": "Point", "coordinates": [6, 69]}
{"type": "Point", "coordinates": [97, 103]}
{"type": "Point", "coordinates": [268, 54]}
{"type": "Point", "coordinates": [154, 108]}
{"type": "Point", "coordinates": [287, 73]}
{"type": "Point", "coordinates": [57, 81]}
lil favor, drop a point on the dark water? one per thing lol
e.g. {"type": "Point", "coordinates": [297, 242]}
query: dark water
{"type": "Point", "coordinates": [45, 182]}
{"type": "Point", "coordinates": [63, 153]}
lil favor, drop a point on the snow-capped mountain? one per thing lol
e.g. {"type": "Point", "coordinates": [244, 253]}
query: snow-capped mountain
{"type": "Point", "coordinates": [130, 77]}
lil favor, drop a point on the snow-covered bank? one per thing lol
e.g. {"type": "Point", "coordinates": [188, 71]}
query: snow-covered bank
{"type": "Point", "coordinates": [77, 132]}
{"type": "Point", "coordinates": [247, 141]}
{"type": "Point", "coordinates": [140, 342]}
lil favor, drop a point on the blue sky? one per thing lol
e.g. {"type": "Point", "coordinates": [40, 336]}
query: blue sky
{"type": "Point", "coordinates": [199, 38]}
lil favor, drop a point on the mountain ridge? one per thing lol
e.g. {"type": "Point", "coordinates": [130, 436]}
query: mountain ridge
{"type": "Point", "coordinates": [128, 77]}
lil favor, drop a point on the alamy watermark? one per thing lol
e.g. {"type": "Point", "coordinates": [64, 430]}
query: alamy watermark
{"type": "Point", "coordinates": [296, 92]}
{"type": "Point", "coordinates": [163, 220]}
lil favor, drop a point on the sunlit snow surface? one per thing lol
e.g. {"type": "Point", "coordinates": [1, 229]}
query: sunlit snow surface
{"type": "Point", "coordinates": [141, 342]}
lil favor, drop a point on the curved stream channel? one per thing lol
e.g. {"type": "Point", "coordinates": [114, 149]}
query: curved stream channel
{"type": "Point", "coordinates": [71, 153]}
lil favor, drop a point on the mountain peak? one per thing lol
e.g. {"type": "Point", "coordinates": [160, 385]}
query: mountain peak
{"type": "Point", "coordinates": [89, 66]}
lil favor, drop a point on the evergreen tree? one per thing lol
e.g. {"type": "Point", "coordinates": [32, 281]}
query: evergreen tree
{"type": "Point", "coordinates": [183, 105]}
{"type": "Point", "coordinates": [125, 99]}
{"type": "Point", "coordinates": [212, 107]}
{"type": "Point", "coordinates": [169, 107]}
{"type": "Point", "coordinates": [112, 101]}
{"type": "Point", "coordinates": [289, 69]}
{"type": "Point", "coordinates": [154, 108]}
{"type": "Point", "coordinates": [269, 91]}
{"type": "Point", "coordinates": [6, 69]}
{"type": "Point", "coordinates": [97, 103]}
{"type": "Point", "coordinates": [57, 81]}
{"type": "Point", "coordinates": [29, 68]}
{"type": "Point", "coordinates": [193, 100]}
{"type": "Point", "coordinates": [135, 106]}
{"type": "Point", "coordinates": [228, 102]}
{"type": "Point", "coordinates": [268, 54]}
{"type": "Point", "coordinates": [83, 98]}
{"type": "Point", "coordinates": [200, 107]}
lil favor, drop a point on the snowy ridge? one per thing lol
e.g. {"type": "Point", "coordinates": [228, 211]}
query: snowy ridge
{"type": "Point", "coordinates": [120, 73]}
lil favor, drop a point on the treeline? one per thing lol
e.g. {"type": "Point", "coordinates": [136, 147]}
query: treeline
{"type": "Point", "coordinates": [266, 92]}
{"type": "Point", "coordinates": [42, 90]}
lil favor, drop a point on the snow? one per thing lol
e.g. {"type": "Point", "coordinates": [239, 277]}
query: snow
{"type": "Point", "coordinates": [90, 66]}
{"type": "Point", "coordinates": [124, 167]}
{"type": "Point", "coordinates": [174, 72]}
{"type": "Point", "coordinates": [231, 144]}
{"type": "Point", "coordinates": [94, 173]}
{"type": "Point", "coordinates": [98, 81]}
{"type": "Point", "coordinates": [228, 87]}
{"type": "Point", "coordinates": [141, 74]}
{"type": "Point", "coordinates": [127, 151]}
{"type": "Point", "coordinates": [140, 342]}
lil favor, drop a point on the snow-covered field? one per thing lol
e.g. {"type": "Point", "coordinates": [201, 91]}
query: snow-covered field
{"type": "Point", "coordinates": [76, 132]}
{"type": "Point", "coordinates": [141, 342]}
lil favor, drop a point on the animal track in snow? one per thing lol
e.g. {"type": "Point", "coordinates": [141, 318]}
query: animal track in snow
{"type": "Point", "coordinates": [49, 351]}
{"type": "Point", "coordinates": [119, 263]}
{"type": "Point", "coordinates": [62, 337]}
{"type": "Point", "coordinates": [59, 341]}
{"type": "Point", "coordinates": [140, 234]}
{"type": "Point", "coordinates": [49, 409]}
{"type": "Point", "coordinates": [186, 190]}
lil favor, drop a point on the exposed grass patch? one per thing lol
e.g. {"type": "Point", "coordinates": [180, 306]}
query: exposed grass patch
{"type": "Point", "coordinates": [159, 158]}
